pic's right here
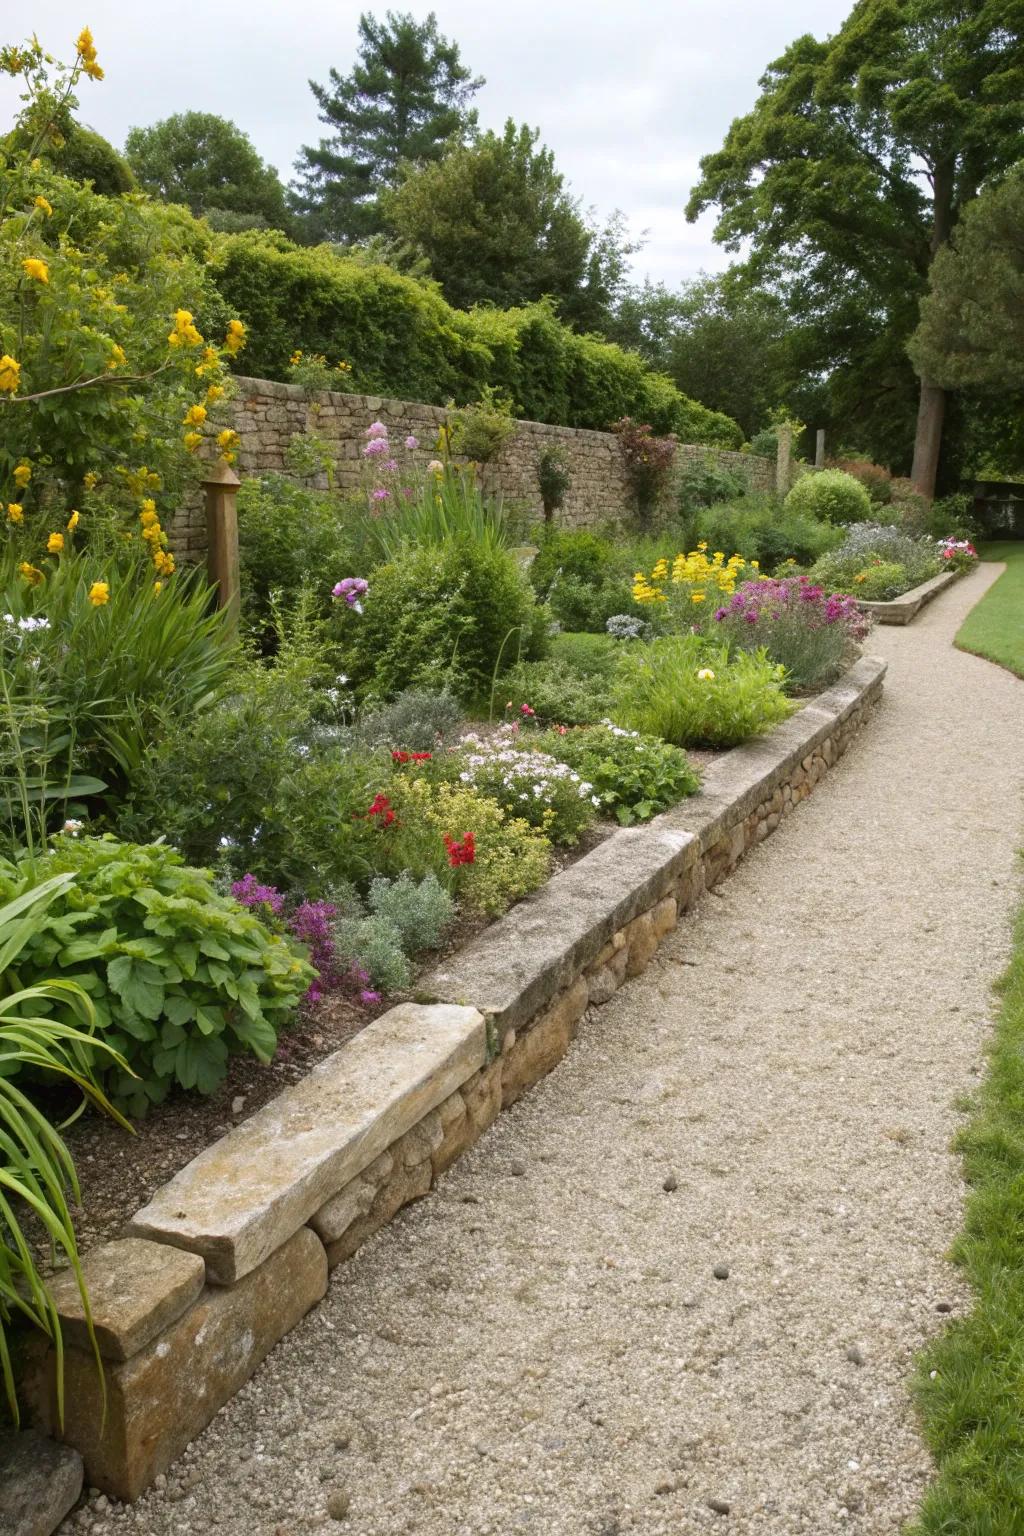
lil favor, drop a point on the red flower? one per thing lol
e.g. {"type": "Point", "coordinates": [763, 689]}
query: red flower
{"type": "Point", "coordinates": [422, 757]}
{"type": "Point", "coordinates": [524, 709]}
{"type": "Point", "coordinates": [400, 757]}
{"type": "Point", "coordinates": [411, 757]}
{"type": "Point", "coordinates": [463, 852]}
{"type": "Point", "coordinates": [381, 807]}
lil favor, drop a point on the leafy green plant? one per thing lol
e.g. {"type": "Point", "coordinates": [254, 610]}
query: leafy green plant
{"type": "Point", "coordinates": [552, 692]}
{"type": "Point", "coordinates": [759, 528]}
{"type": "Point", "coordinates": [765, 443]}
{"type": "Point", "coordinates": [479, 431]}
{"type": "Point", "coordinates": [881, 581]}
{"type": "Point", "coordinates": [415, 721]}
{"type": "Point", "coordinates": [503, 858]}
{"type": "Point", "coordinates": [528, 783]}
{"type": "Point", "coordinates": [647, 461]}
{"type": "Point", "coordinates": [831, 495]}
{"type": "Point", "coordinates": [431, 509]}
{"type": "Point", "coordinates": [439, 617]}
{"type": "Point", "coordinates": [554, 477]}
{"type": "Point", "coordinates": [419, 911]}
{"type": "Point", "coordinates": [179, 977]}
{"type": "Point", "coordinates": [703, 482]}
{"type": "Point", "coordinates": [288, 537]}
{"type": "Point", "coordinates": [634, 776]}
{"type": "Point", "coordinates": [36, 1168]}
{"type": "Point", "coordinates": [694, 694]}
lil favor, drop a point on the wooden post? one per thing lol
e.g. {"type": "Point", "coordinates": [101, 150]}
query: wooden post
{"type": "Point", "coordinates": [783, 459]}
{"type": "Point", "coordinates": [221, 486]}
{"type": "Point", "coordinates": [819, 449]}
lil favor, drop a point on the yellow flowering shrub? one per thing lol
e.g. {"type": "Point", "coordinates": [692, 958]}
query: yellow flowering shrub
{"type": "Point", "coordinates": [682, 589]}
{"type": "Point", "coordinates": [113, 339]}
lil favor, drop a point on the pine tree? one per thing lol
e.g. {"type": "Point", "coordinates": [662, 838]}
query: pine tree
{"type": "Point", "coordinates": [406, 98]}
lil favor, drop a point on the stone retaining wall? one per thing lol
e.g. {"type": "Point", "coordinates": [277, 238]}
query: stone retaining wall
{"type": "Point", "coordinates": [906, 607]}
{"type": "Point", "coordinates": [230, 1254]}
{"type": "Point", "coordinates": [266, 416]}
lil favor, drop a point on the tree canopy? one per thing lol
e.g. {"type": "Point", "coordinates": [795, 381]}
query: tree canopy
{"type": "Point", "coordinates": [497, 225]}
{"type": "Point", "coordinates": [407, 96]}
{"type": "Point", "coordinates": [856, 163]}
{"type": "Point", "coordinates": [208, 164]}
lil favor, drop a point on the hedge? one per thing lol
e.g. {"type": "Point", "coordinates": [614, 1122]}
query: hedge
{"type": "Point", "coordinates": [403, 340]}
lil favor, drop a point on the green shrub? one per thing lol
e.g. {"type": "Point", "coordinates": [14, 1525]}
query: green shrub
{"type": "Point", "coordinates": [952, 517]}
{"type": "Point", "coordinates": [760, 529]}
{"type": "Point", "coordinates": [875, 478]}
{"type": "Point", "coordinates": [510, 858]}
{"type": "Point", "coordinates": [633, 776]}
{"type": "Point", "coordinates": [583, 579]}
{"type": "Point", "coordinates": [554, 693]}
{"type": "Point", "coordinates": [528, 783]}
{"type": "Point", "coordinates": [831, 495]}
{"type": "Point", "coordinates": [554, 477]}
{"type": "Point", "coordinates": [881, 581]}
{"type": "Point", "coordinates": [696, 695]}
{"type": "Point", "coordinates": [288, 537]}
{"type": "Point", "coordinates": [584, 556]}
{"type": "Point", "coordinates": [404, 341]}
{"type": "Point", "coordinates": [593, 655]}
{"type": "Point", "coordinates": [765, 443]}
{"type": "Point", "coordinates": [373, 944]}
{"type": "Point", "coordinates": [420, 912]}
{"type": "Point", "coordinates": [702, 483]}
{"type": "Point", "coordinates": [413, 722]}
{"type": "Point", "coordinates": [180, 977]}
{"type": "Point", "coordinates": [865, 547]}
{"type": "Point", "coordinates": [450, 616]}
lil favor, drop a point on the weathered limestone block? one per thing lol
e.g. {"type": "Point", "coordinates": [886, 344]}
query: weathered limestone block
{"type": "Point", "coordinates": [40, 1482]}
{"type": "Point", "coordinates": [241, 1198]}
{"type": "Point", "coordinates": [541, 1046]}
{"type": "Point", "coordinates": [136, 1290]}
{"type": "Point", "coordinates": [337, 1214]}
{"type": "Point", "coordinates": [482, 1096]}
{"type": "Point", "coordinates": [604, 982]}
{"type": "Point", "coordinates": [163, 1396]}
{"type": "Point", "coordinates": [405, 1185]}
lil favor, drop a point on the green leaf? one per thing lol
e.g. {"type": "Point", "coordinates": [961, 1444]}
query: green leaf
{"type": "Point", "coordinates": [200, 1063]}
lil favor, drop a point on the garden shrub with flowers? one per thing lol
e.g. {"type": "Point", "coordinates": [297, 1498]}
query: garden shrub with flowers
{"type": "Point", "coordinates": [677, 593]}
{"type": "Point", "coordinates": [811, 633]}
{"type": "Point", "coordinates": [694, 694]}
{"type": "Point", "coordinates": [907, 560]}
{"type": "Point", "coordinates": [554, 692]}
{"type": "Point", "coordinates": [529, 783]}
{"type": "Point", "coordinates": [633, 776]}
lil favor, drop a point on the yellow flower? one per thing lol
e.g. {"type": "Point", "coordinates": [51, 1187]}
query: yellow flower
{"type": "Point", "coordinates": [195, 415]}
{"type": "Point", "coordinates": [756, 564]}
{"type": "Point", "coordinates": [861, 576]}
{"type": "Point", "coordinates": [10, 372]}
{"type": "Point", "coordinates": [32, 574]}
{"type": "Point", "coordinates": [235, 339]}
{"type": "Point", "coordinates": [215, 392]}
{"type": "Point", "coordinates": [116, 359]}
{"type": "Point", "coordinates": [163, 562]}
{"type": "Point", "coordinates": [192, 440]}
{"type": "Point", "coordinates": [33, 267]}
{"type": "Point", "coordinates": [706, 675]}
{"type": "Point", "coordinates": [703, 544]}
{"type": "Point", "coordinates": [184, 333]}
{"type": "Point", "coordinates": [696, 597]}
{"type": "Point", "coordinates": [295, 359]}
{"type": "Point", "coordinates": [40, 202]}
{"type": "Point", "coordinates": [73, 522]}
{"type": "Point", "coordinates": [152, 533]}
{"type": "Point", "coordinates": [158, 587]}
{"type": "Point", "coordinates": [99, 593]}
{"type": "Point", "coordinates": [22, 475]}
{"type": "Point", "coordinates": [15, 512]}
{"type": "Point", "coordinates": [55, 544]}
{"type": "Point", "coordinates": [227, 442]}
{"type": "Point", "coordinates": [90, 479]}
{"type": "Point", "coordinates": [148, 516]}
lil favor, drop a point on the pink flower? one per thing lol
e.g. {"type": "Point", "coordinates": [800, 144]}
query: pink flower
{"type": "Point", "coordinates": [376, 429]}
{"type": "Point", "coordinates": [412, 442]}
{"type": "Point", "coordinates": [368, 997]}
{"type": "Point", "coordinates": [380, 494]}
{"type": "Point", "coordinates": [375, 447]}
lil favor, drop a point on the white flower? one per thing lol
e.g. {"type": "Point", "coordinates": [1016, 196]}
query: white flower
{"type": "Point", "coordinates": [705, 674]}
{"type": "Point", "coordinates": [595, 800]}
{"type": "Point", "coordinates": [29, 625]}
{"type": "Point", "coordinates": [72, 827]}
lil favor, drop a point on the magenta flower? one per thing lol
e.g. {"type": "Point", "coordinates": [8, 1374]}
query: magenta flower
{"type": "Point", "coordinates": [367, 996]}
{"type": "Point", "coordinates": [376, 429]}
{"type": "Point", "coordinates": [379, 493]}
{"type": "Point", "coordinates": [412, 442]}
{"type": "Point", "coordinates": [351, 589]}
{"type": "Point", "coordinates": [375, 447]}
{"type": "Point", "coordinates": [391, 465]}
{"type": "Point", "coordinates": [250, 893]}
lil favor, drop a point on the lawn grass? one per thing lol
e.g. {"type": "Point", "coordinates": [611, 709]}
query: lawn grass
{"type": "Point", "coordinates": [970, 1382]}
{"type": "Point", "coordinates": [994, 628]}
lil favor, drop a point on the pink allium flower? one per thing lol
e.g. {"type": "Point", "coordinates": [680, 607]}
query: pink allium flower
{"type": "Point", "coordinates": [375, 447]}
{"type": "Point", "coordinates": [412, 442]}
{"type": "Point", "coordinates": [376, 429]}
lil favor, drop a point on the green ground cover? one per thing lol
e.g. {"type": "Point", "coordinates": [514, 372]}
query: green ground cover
{"type": "Point", "coordinates": [994, 628]}
{"type": "Point", "coordinates": [970, 1382]}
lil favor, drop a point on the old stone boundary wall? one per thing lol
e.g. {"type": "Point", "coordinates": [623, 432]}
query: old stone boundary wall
{"type": "Point", "coordinates": [267, 415]}
{"type": "Point", "coordinates": [231, 1253]}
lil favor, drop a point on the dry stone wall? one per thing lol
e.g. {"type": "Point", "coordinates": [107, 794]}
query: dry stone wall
{"type": "Point", "coordinates": [267, 415]}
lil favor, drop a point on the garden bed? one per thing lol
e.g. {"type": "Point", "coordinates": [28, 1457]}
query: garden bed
{"type": "Point", "coordinates": [230, 1253]}
{"type": "Point", "coordinates": [901, 610]}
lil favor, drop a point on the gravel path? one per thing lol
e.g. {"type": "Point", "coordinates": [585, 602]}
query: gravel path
{"type": "Point", "coordinates": [542, 1346]}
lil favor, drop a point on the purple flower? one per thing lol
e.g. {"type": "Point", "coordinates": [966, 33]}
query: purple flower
{"type": "Point", "coordinates": [412, 442]}
{"type": "Point", "coordinates": [367, 997]}
{"type": "Point", "coordinates": [376, 429]}
{"type": "Point", "coordinates": [250, 893]}
{"type": "Point", "coordinates": [351, 589]}
{"type": "Point", "coordinates": [720, 614]}
{"type": "Point", "coordinates": [311, 925]}
{"type": "Point", "coordinates": [376, 446]}
{"type": "Point", "coordinates": [391, 465]}
{"type": "Point", "coordinates": [751, 617]}
{"type": "Point", "coordinates": [379, 493]}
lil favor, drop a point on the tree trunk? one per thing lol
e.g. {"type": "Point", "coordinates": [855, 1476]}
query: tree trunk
{"type": "Point", "coordinates": [928, 439]}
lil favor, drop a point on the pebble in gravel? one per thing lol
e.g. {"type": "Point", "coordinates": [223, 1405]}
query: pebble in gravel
{"type": "Point", "coordinates": [721, 1271]}
{"type": "Point", "coordinates": [563, 1341]}
{"type": "Point", "coordinates": [671, 1184]}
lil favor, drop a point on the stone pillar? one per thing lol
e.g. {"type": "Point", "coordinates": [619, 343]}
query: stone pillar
{"type": "Point", "coordinates": [220, 484]}
{"type": "Point", "coordinates": [783, 459]}
{"type": "Point", "coordinates": [819, 449]}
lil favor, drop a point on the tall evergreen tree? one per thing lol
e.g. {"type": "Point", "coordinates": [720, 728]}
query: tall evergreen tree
{"type": "Point", "coordinates": [859, 157]}
{"type": "Point", "coordinates": [406, 97]}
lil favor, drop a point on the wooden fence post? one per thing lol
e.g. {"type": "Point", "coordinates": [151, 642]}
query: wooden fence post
{"type": "Point", "coordinates": [819, 449]}
{"type": "Point", "coordinates": [221, 487]}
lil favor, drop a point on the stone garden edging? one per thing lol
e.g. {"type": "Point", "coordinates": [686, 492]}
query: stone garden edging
{"type": "Point", "coordinates": [236, 1248]}
{"type": "Point", "coordinates": [900, 610]}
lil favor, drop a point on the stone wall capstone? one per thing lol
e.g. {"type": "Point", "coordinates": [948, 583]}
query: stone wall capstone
{"type": "Point", "coordinates": [267, 415]}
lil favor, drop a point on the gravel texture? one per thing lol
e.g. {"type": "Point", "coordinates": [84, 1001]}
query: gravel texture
{"type": "Point", "coordinates": [697, 1307]}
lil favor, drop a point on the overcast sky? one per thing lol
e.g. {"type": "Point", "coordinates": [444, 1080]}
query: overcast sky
{"type": "Point", "coordinates": [628, 96]}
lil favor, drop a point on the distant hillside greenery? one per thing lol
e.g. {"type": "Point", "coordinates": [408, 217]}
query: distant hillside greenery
{"type": "Point", "coordinates": [402, 339]}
